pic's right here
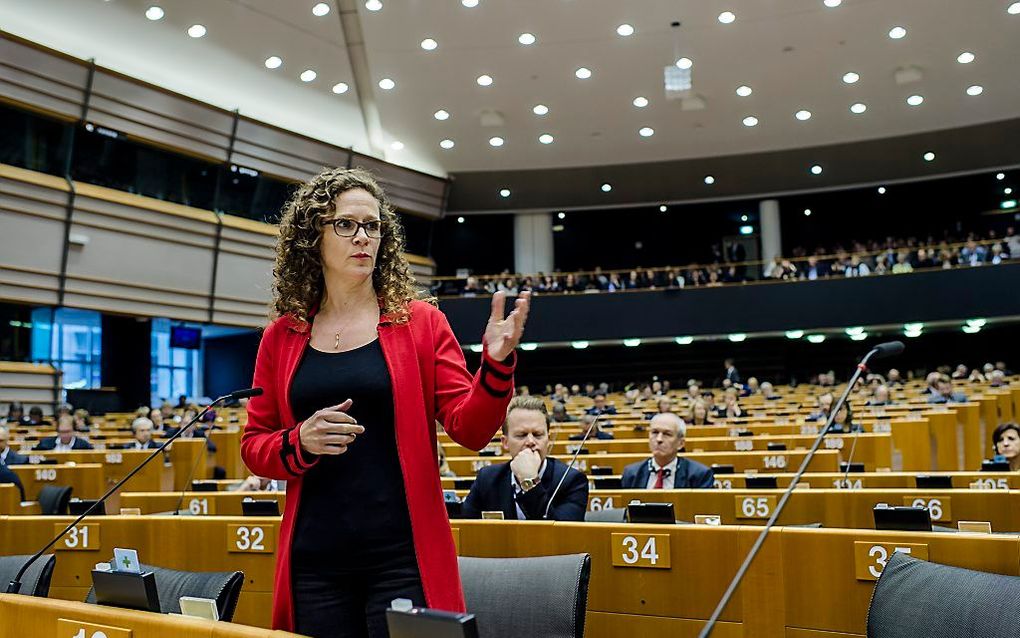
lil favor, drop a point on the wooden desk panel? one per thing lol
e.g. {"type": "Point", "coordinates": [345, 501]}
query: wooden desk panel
{"type": "Point", "coordinates": [198, 503]}
{"type": "Point", "coordinates": [228, 452]}
{"type": "Point", "coordinates": [116, 465]}
{"type": "Point", "coordinates": [85, 479]}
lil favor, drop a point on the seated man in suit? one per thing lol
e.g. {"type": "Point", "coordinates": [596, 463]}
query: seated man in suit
{"type": "Point", "coordinates": [665, 470]}
{"type": "Point", "coordinates": [7, 475]}
{"type": "Point", "coordinates": [600, 406]}
{"type": "Point", "coordinates": [597, 433]}
{"type": "Point", "coordinates": [65, 440]}
{"type": "Point", "coordinates": [8, 456]}
{"type": "Point", "coordinates": [521, 488]}
{"type": "Point", "coordinates": [944, 392]}
{"type": "Point", "coordinates": [142, 429]}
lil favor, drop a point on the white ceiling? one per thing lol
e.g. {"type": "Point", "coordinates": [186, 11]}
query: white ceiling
{"type": "Point", "coordinates": [793, 53]}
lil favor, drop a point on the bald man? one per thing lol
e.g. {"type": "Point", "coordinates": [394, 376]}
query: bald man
{"type": "Point", "coordinates": [665, 470]}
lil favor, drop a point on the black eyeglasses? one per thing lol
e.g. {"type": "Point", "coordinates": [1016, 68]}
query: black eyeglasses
{"type": "Point", "coordinates": [346, 227]}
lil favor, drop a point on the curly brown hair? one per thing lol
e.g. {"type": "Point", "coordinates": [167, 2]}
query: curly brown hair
{"type": "Point", "coordinates": [298, 282]}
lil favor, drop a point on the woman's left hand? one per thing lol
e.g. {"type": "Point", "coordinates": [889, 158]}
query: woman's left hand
{"type": "Point", "coordinates": [503, 335]}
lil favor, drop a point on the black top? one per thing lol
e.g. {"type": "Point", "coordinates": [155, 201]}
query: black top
{"type": "Point", "coordinates": [353, 510]}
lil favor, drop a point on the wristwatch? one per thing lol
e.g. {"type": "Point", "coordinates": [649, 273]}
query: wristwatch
{"type": "Point", "coordinates": [528, 483]}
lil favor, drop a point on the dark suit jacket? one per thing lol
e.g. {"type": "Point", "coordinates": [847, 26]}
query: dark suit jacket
{"type": "Point", "coordinates": [7, 475]}
{"type": "Point", "coordinates": [13, 458]}
{"type": "Point", "coordinates": [50, 443]}
{"type": "Point", "coordinates": [599, 434]}
{"type": "Point", "coordinates": [492, 491]}
{"type": "Point", "coordinates": [688, 474]}
{"type": "Point", "coordinates": [151, 445]}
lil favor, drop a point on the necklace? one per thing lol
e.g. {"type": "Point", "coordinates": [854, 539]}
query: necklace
{"type": "Point", "coordinates": [336, 344]}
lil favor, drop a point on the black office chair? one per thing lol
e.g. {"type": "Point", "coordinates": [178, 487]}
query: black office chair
{"type": "Point", "coordinates": [171, 584]}
{"type": "Point", "coordinates": [558, 586]}
{"type": "Point", "coordinates": [53, 499]}
{"type": "Point", "coordinates": [917, 599]}
{"type": "Point", "coordinates": [36, 581]}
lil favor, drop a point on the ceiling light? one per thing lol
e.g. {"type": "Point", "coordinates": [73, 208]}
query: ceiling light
{"type": "Point", "coordinates": [504, 192]}
{"type": "Point", "coordinates": [606, 187]}
{"type": "Point", "coordinates": [915, 100]}
{"type": "Point", "coordinates": [340, 87]}
{"type": "Point", "coordinates": [794, 334]}
{"type": "Point", "coordinates": [816, 338]}
{"type": "Point", "coordinates": [913, 327]}
{"type": "Point", "coordinates": [154, 13]}
{"type": "Point", "coordinates": [387, 84]}
{"type": "Point", "coordinates": [429, 44]}
{"type": "Point", "coordinates": [496, 141]}
{"type": "Point", "coordinates": [273, 62]}
{"type": "Point", "coordinates": [746, 230]}
{"type": "Point", "coordinates": [561, 215]}
{"type": "Point", "coordinates": [803, 115]}
{"type": "Point", "coordinates": [851, 77]}
{"type": "Point", "coordinates": [460, 220]}
{"type": "Point", "coordinates": [912, 334]}
{"type": "Point", "coordinates": [1007, 191]}
{"type": "Point", "coordinates": [816, 170]}
{"type": "Point", "coordinates": [859, 337]}
{"type": "Point", "coordinates": [540, 109]}
{"type": "Point", "coordinates": [545, 138]}
{"type": "Point", "coordinates": [320, 9]}
{"type": "Point", "coordinates": [1009, 204]}
{"type": "Point", "coordinates": [632, 343]}
{"type": "Point", "coordinates": [640, 102]}
{"type": "Point", "coordinates": [858, 108]}
{"type": "Point", "coordinates": [663, 208]}
{"type": "Point", "coordinates": [1013, 9]}
{"type": "Point", "coordinates": [1000, 176]}
{"type": "Point", "coordinates": [397, 146]}
{"type": "Point", "coordinates": [307, 75]}
{"type": "Point", "coordinates": [526, 39]}
{"type": "Point", "coordinates": [709, 180]}
{"type": "Point", "coordinates": [470, 4]}
{"type": "Point", "coordinates": [744, 90]}
{"type": "Point", "coordinates": [832, 4]}
{"type": "Point", "coordinates": [683, 341]}
{"type": "Point", "coordinates": [583, 73]}
{"type": "Point", "coordinates": [743, 218]}
{"type": "Point", "coordinates": [684, 63]}
{"type": "Point", "coordinates": [447, 144]}
{"type": "Point", "coordinates": [965, 58]}
{"type": "Point", "coordinates": [897, 33]}
{"type": "Point", "coordinates": [929, 156]}
{"type": "Point", "coordinates": [881, 190]}
{"type": "Point", "coordinates": [625, 30]}
{"type": "Point", "coordinates": [737, 337]}
{"type": "Point", "coordinates": [475, 347]}
{"type": "Point", "coordinates": [196, 31]}
{"type": "Point", "coordinates": [646, 131]}
{"type": "Point", "coordinates": [578, 345]}
{"type": "Point", "coordinates": [750, 120]}
{"type": "Point", "coordinates": [971, 329]}
{"type": "Point", "coordinates": [979, 323]}
{"type": "Point", "coordinates": [484, 80]}
{"type": "Point", "coordinates": [441, 115]}
{"type": "Point", "coordinates": [529, 346]}
{"type": "Point", "coordinates": [373, 5]}
{"type": "Point", "coordinates": [975, 90]}
{"type": "Point", "coordinates": [727, 17]}
{"type": "Point", "coordinates": [856, 330]}
{"type": "Point", "coordinates": [807, 212]}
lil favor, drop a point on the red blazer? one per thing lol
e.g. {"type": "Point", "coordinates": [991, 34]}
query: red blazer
{"type": "Point", "coordinates": [430, 382]}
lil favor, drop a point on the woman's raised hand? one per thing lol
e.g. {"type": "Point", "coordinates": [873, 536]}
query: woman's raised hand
{"type": "Point", "coordinates": [330, 430]}
{"type": "Point", "coordinates": [503, 334]}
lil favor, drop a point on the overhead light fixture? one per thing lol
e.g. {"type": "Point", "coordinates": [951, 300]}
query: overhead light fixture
{"type": "Point", "coordinates": [320, 9]}
{"type": "Point", "coordinates": [606, 187]}
{"type": "Point", "coordinates": [858, 108]}
{"type": "Point", "coordinates": [484, 80]}
{"type": "Point", "coordinates": [881, 190]}
{"type": "Point", "coordinates": [583, 73]}
{"type": "Point", "coordinates": [1000, 176]}
{"type": "Point", "coordinates": [646, 131]}
{"type": "Point", "coordinates": [816, 338]}
{"type": "Point", "coordinates": [1009, 204]}
{"type": "Point", "coordinates": [447, 144]}
{"type": "Point", "coordinates": [373, 5]}
{"type": "Point", "coordinates": [1013, 9]}
{"type": "Point", "coordinates": [340, 88]}
{"type": "Point", "coordinates": [816, 170]}
{"type": "Point", "coordinates": [273, 62]}
{"type": "Point", "coordinates": [308, 75]}
{"type": "Point", "coordinates": [807, 212]}
{"type": "Point", "coordinates": [851, 77]}
{"type": "Point", "coordinates": [794, 334]}
{"type": "Point", "coordinates": [683, 341]}
{"type": "Point", "coordinates": [663, 208]}
{"type": "Point", "coordinates": [441, 115]}
{"type": "Point", "coordinates": [965, 58]}
{"type": "Point", "coordinates": [929, 156]}
{"type": "Point", "coordinates": [743, 90]}
{"type": "Point", "coordinates": [397, 145]}
{"type": "Point", "coordinates": [625, 30]}
{"type": "Point", "coordinates": [632, 343]}
{"type": "Point", "coordinates": [1007, 191]}
{"type": "Point", "coordinates": [915, 100]}
{"type": "Point", "coordinates": [154, 13]}
{"type": "Point", "coordinates": [746, 230]}
{"type": "Point", "coordinates": [475, 347]}
{"type": "Point", "coordinates": [912, 333]}
{"type": "Point", "coordinates": [429, 44]}
{"type": "Point", "coordinates": [856, 330]}
{"type": "Point", "coordinates": [832, 4]}
{"type": "Point", "coordinates": [561, 215]}
{"type": "Point", "coordinates": [709, 180]}
{"type": "Point", "coordinates": [470, 4]}
{"type": "Point", "coordinates": [971, 329]}
{"type": "Point", "coordinates": [545, 138]}
{"type": "Point", "coordinates": [640, 102]}
{"type": "Point", "coordinates": [527, 39]}
{"type": "Point", "coordinates": [750, 121]}
{"type": "Point", "coordinates": [684, 63]}
{"type": "Point", "coordinates": [980, 323]}
{"type": "Point", "coordinates": [859, 337]}
{"type": "Point", "coordinates": [975, 90]}
{"type": "Point", "coordinates": [460, 220]}
{"type": "Point", "coordinates": [529, 346]}
{"type": "Point", "coordinates": [504, 192]}
{"type": "Point", "coordinates": [743, 218]}
{"type": "Point", "coordinates": [803, 115]}
{"type": "Point", "coordinates": [386, 84]}
{"type": "Point", "coordinates": [897, 33]}
{"type": "Point", "coordinates": [540, 109]}
{"type": "Point", "coordinates": [578, 345]}
{"type": "Point", "coordinates": [727, 17]}
{"type": "Point", "coordinates": [736, 337]}
{"type": "Point", "coordinates": [196, 31]}
{"type": "Point", "coordinates": [496, 141]}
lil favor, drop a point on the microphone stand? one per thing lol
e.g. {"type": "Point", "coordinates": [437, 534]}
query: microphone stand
{"type": "Point", "coordinates": [14, 587]}
{"type": "Point", "coordinates": [580, 446]}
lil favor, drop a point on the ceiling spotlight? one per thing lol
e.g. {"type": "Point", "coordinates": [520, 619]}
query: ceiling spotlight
{"type": "Point", "coordinates": [154, 13]}
{"type": "Point", "coordinates": [373, 5]}
{"type": "Point", "coordinates": [709, 180]}
{"type": "Point", "coordinates": [470, 4]}
{"type": "Point", "coordinates": [1013, 9]}
{"type": "Point", "coordinates": [727, 17]}
{"type": "Point", "coordinates": [744, 90]}
{"type": "Point", "coordinates": [743, 218]}
{"type": "Point", "coordinates": [496, 141]}
{"type": "Point", "coordinates": [583, 73]}
{"type": "Point", "coordinates": [320, 9]}
{"type": "Point", "coordinates": [975, 90]}
{"type": "Point", "coordinates": [561, 215]}
{"type": "Point", "coordinates": [446, 144]}
{"type": "Point", "coordinates": [606, 187]}
{"type": "Point", "coordinates": [429, 44]}
{"type": "Point", "coordinates": [579, 345]}
{"type": "Point", "coordinates": [545, 138]}
{"type": "Point", "coordinates": [965, 58]}
{"type": "Point", "coordinates": [750, 120]}
{"type": "Point", "coordinates": [803, 115]}
{"type": "Point", "coordinates": [1007, 191]}
{"type": "Point", "coordinates": [683, 341]}
{"type": "Point", "coordinates": [684, 63]}
{"type": "Point", "coordinates": [860, 336]}
{"type": "Point", "coordinates": [640, 102]}
{"type": "Point", "coordinates": [196, 31]}
{"type": "Point", "coordinates": [663, 208]}
{"type": "Point", "coordinates": [526, 39]}
{"type": "Point", "coordinates": [441, 115]}
{"type": "Point", "coordinates": [737, 337]}
{"type": "Point", "coordinates": [881, 190]}
{"type": "Point", "coordinates": [897, 33]}
{"type": "Point", "coordinates": [807, 212]}
{"type": "Point", "coordinates": [858, 108]}
{"type": "Point", "coordinates": [397, 145]}
{"type": "Point", "coordinates": [340, 88]}
{"type": "Point", "coordinates": [307, 75]}
{"type": "Point", "coordinates": [504, 192]}
{"type": "Point", "coordinates": [851, 77]}
{"type": "Point", "coordinates": [540, 109]}
{"type": "Point", "coordinates": [387, 84]}
{"type": "Point", "coordinates": [484, 80]}
{"type": "Point", "coordinates": [816, 170]}
{"type": "Point", "coordinates": [832, 4]}
{"type": "Point", "coordinates": [816, 338]}
{"type": "Point", "coordinates": [915, 100]}
{"type": "Point", "coordinates": [625, 30]}
{"type": "Point", "coordinates": [529, 346]}
{"type": "Point", "coordinates": [646, 131]}
{"type": "Point", "coordinates": [929, 156]}
{"type": "Point", "coordinates": [460, 220]}
{"type": "Point", "coordinates": [273, 62]}
{"type": "Point", "coordinates": [631, 343]}
{"type": "Point", "coordinates": [1000, 176]}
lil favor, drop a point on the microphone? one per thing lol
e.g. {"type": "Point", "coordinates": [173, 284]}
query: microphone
{"type": "Point", "coordinates": [191, 475]}
{"type": "Point", "coordinates": [584, 439]}
{"type": "Point", "coordinates": [880, 351]}
{"type": "Point", "coordinates": [14, 586]}
{"type": "Point", "coordinates": [257, 392]}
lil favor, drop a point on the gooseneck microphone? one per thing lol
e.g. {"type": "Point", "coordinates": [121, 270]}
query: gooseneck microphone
{"type": "Point", "coordinates": [580, 446]}
{"type": "Point", "coordinates": [880, 351]}
{"type": "Point", "coordinates": [14, 586]}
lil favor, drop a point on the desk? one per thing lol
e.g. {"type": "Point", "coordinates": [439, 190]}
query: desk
{"type": "Point", "coordinates": [116, 464]}
{"type": "Point", "coordinates": [85, 479]}
{"type": "Point", "coordinates": [198, 503]}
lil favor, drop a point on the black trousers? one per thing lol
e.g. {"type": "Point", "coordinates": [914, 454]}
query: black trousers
{"type": "Point", "coordinates": [352, 602]}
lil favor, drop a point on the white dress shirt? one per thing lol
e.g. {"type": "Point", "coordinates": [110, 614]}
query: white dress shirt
{"type": "Point", "coordinates": [62, 447]}
{"type": "Point", "coordinates": [667, 480]}
{"type": "Point", "coordinates": [518, 490]}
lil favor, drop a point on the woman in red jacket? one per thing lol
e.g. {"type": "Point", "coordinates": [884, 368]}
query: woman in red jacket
{"type": "Point", "coordinates": [356, 370]}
